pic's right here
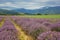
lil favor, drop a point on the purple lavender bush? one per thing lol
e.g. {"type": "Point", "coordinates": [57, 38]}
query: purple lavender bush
{"type": "Point", "coordinates": [8, 31]}
{"type": "Point", "coordinates": [49, 36]}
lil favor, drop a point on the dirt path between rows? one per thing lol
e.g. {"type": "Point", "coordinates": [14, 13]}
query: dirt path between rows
{"type": "Point", "coordinates": [21, 34]}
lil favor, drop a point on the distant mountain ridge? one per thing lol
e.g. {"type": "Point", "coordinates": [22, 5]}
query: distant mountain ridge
{"type": "Point", "coordinates": [3, 11]}
{"type": "Point", "coordinates": [44, 10]}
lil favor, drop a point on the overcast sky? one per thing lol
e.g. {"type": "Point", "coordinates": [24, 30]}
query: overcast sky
{"type": "Point", "coordinates": [29, 4]}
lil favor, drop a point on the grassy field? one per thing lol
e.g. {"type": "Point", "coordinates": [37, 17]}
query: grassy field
{"type": "Point", "coordinates": [40, 16]}
{"type": "Point", "coordinates": [36, 16]}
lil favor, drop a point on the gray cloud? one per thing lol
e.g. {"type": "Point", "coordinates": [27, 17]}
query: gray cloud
{"type": "Point", "coordinates": [29, 4]}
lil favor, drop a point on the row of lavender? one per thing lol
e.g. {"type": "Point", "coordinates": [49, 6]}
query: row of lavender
{"type": "Point", "coordinates": [40, 28]}
{"type": "Point", "coordinates": [1, 17]}
{"type": "Point", "coordinates": [8, 31]}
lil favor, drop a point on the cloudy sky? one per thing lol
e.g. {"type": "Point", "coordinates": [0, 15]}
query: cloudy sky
{"type": "Point", "coordinates": [28, 4]}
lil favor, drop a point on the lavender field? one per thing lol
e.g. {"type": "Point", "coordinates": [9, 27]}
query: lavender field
{"type": "Point", "coordinates": [27, 28]}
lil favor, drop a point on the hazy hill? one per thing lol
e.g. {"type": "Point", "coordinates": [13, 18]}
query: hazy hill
{"type": "Point", "coordinates": [44, 10]}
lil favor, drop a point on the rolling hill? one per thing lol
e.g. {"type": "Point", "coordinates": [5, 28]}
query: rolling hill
{"type": "Point", "coordinates": [44, 10]}
{"type": "Point", "coordinates": [3, 12]}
